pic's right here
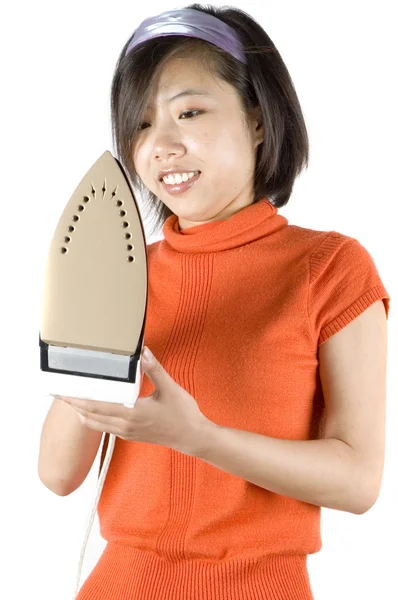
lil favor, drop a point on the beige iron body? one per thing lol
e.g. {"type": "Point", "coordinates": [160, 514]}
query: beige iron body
{"type": "Point", "coordinates": [94, 300]}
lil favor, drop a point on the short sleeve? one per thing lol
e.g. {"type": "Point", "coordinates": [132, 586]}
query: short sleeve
{"type": "Point", "coordinates": [343, 282]}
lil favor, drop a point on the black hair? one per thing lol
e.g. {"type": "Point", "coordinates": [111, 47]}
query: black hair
{"type": "Point", "coordinates": [264, 81]}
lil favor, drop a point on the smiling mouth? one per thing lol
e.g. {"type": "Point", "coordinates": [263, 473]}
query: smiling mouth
{"type": "Point", "coordinates": [178, 188]}
{"type": "Point", "coordinates": [197, 172]}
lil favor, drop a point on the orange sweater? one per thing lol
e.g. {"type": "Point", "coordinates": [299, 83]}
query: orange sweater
{"type": "Point", "coordinates": [236, 312]}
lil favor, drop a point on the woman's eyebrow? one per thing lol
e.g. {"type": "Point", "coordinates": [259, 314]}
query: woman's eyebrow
{"type": "Point", "coordinates": [188, 92]}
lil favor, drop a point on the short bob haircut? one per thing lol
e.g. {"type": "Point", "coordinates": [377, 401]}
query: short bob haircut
{"type": "Point", "coordinates": [264, 81]}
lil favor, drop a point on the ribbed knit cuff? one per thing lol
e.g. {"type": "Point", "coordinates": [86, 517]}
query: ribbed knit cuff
{"type": "Point", "coordinates": [367, 299]}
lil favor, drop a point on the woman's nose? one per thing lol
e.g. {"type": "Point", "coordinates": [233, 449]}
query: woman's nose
{"type": "Point", "coordinates": [168, 143]}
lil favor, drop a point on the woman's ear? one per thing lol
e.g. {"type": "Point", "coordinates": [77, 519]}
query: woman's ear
{"type": "Point", "coordinates": [257, 124]}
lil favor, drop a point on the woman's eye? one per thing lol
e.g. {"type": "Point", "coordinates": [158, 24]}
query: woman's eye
{"type": "Point", "coordinates": [140, 128]}
{"type": "Point", "coordinates": [191, 111]}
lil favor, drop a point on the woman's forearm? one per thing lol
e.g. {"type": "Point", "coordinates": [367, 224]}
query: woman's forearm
{"type": "Point", "coordinates": [323, 472]}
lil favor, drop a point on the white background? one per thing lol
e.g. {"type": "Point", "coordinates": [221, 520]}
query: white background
{"type": "Point", "coordinates": [57, 61]}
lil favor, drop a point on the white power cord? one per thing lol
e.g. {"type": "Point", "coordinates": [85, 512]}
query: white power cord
{"type": "Point", "coordinates": [101, 480]}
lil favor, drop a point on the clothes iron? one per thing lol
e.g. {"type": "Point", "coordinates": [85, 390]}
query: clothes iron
{"type": "Point", "coordinates": [95, 299]}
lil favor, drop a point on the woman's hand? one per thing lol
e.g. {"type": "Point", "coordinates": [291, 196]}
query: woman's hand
{"type": "Point", "coordinates": [169, 416]}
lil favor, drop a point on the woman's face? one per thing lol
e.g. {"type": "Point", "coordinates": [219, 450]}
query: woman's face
{"type": "Point", "coordinates": [213, 141]}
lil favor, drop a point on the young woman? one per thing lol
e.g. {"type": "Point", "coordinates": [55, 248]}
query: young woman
{"type": "Point", "coordinates": [265, 399]}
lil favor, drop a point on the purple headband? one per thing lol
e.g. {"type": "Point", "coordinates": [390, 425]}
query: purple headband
{"type": "Point", "coordinates": [192, 23]}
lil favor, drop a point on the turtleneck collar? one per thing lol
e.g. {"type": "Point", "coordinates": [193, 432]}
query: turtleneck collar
{"type": "Point", "coordinates": [247, 225]}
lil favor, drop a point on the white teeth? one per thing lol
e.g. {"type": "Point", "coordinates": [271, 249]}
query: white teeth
{"type": "Point", "coordinates": [178, 177]}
